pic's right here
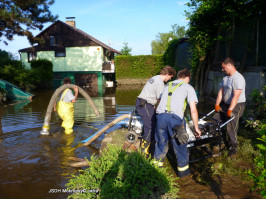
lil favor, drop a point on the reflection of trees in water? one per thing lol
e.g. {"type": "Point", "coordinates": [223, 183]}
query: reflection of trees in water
{"type": "Point", "coordinates": [127, 96]}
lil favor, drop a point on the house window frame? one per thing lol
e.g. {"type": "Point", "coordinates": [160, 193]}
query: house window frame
{"type": "Point", "coordinates": [53, 40]}
{"type": "Point", "coordinates": [32, 56]}
{"type": "Point", "coordinates": [60, 53]}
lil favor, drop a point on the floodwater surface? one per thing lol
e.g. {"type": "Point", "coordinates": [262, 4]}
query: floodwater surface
{"type": "Point", "coordinates": [33, 166]}
{"type": "Point", "coordinates": [36, 166]}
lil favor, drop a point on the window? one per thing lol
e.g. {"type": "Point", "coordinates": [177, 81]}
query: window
{"type": "Point", "coordinates": [53, 40]}
{"type": "Point", "coordinates": [32, 56]}
{"type": "Point", "coordinates": [60, 54]}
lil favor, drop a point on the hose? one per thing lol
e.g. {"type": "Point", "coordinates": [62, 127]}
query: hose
{"type": "Point", "coordinates": [46, 124]}
{"type": "Point", "coordinates": [100, 132]}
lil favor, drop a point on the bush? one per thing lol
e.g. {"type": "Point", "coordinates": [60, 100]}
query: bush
{"type": "Point", "coordinates": [256, 122]}
{"type": "Point", "coordinates": [116, 174]}
{"type": "Point", "coordinates": [139, 67]}
{"type": "Point", "coordinates": [259, 174]}
{"type": "Point", "coordinates": [16, 73]}
{"type": "Point", "coordinates": [44, 68]}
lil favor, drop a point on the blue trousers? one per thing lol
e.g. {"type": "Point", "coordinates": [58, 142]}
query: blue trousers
{"type": "Point", "coordinates": [165, 124]}
{"type": "Point", "coordinates": [147, 112]}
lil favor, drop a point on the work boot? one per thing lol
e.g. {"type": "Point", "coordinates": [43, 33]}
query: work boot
{"type": "Point", "coordinates": [145, 147]}
{"type": "Point", "coordinates": [232, 152]}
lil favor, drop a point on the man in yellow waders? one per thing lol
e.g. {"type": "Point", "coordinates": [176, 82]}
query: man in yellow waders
{"type": "Point", "coordinates": [65, 108]}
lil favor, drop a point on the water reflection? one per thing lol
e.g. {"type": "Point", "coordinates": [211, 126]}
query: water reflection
{"type": "Point", "coordinates": [32, 164]}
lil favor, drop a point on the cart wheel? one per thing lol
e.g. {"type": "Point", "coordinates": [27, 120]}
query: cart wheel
{"type": "Point", "coordinates": [131, 136]}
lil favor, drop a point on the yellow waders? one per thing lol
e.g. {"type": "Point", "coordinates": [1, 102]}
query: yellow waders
{"type": "Point", "coordinates": [65, 111]}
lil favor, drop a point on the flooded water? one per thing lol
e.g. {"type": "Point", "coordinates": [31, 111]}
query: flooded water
{"type": "Point", "coordinates": [31, 164]}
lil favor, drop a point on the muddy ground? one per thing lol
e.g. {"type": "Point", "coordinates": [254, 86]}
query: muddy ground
{"type": "Point", "coordinates": [205, 182]}
{"type": "Point", "coordinates": [222, 186]}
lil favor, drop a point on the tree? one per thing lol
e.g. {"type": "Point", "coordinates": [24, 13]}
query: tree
{"type": "Point", "coordinates": [126, 50]}
{"type": "Point", "coordinates": [19, 17]}
{"type": "Point", "coordinates": [213, 22]}
{"type": "Point", "coordinates": [161, 43]}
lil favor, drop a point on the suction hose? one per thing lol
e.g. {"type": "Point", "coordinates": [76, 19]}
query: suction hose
{"type": "Point", "coordinates": [99, 133]}
{"type": "Point", "coordinates": [46, 124]}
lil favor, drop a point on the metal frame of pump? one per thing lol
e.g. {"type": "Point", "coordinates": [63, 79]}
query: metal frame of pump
{"type": "Point", "coordinates": [211, 132]}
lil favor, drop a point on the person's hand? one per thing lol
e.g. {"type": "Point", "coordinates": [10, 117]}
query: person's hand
{"type": "Point", "coordinates": [54, 109]}
{"type": "Point", "coordinates": [197, 132]}
{"type": "Point", "coordinates": [229, 113]}
{"type": "Point", "coordinates": [218, 108]}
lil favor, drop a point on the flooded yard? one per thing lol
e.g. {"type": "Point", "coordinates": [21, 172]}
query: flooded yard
{"type": "Point", "coordinates": [31, 164]}
{"type": "Point", "coordinates": [36, 166]}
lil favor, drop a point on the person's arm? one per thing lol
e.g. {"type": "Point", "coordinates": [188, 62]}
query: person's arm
{"type": "Point", "coordinates": [219, 100]}
{"type": "Point", "coordinates": [194, 116]}
{"type": "Point", "coordinates": [76, 90]}
{"type": "Point", "coordinates": [233, 102]}
{"type": "Point", "coordinates": [219, 97]}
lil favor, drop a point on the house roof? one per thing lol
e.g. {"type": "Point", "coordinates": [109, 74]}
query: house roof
{"type": "Point", "coordinates": [75, 29]}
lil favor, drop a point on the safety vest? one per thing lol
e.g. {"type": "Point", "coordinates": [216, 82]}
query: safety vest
{"type": "Point", "coordinates": [170, 92]}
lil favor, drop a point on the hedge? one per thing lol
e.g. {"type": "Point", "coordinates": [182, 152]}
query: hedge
{"type": "Point", "coordinates": [138, 67]}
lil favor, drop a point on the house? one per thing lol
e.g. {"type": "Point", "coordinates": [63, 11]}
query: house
{"type": "Point", "coordinates": [74, 53]}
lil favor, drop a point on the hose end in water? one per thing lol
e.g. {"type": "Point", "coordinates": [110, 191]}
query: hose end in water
{"type": "Point", "coordinates": [45, 129]}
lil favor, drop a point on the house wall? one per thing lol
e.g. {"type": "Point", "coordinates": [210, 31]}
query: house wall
{"type": "Point", "coordinates": [76, 59]}
{"type": "Point", "coordinates": [24, 59]}
{"type": "Point", "coordinates": [254, 80]}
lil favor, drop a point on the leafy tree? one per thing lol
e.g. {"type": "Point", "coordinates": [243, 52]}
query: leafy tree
{"type": "Point", "coordinates": [126, 50]}
{"type": "Point", "coordinates": [162, 39]}
{"type": "Point", "coordinates": [18, 17]}
{"type": "Point", "coordinates": [213, 22]}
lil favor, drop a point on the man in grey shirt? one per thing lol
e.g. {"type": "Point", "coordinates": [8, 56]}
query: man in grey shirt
{"type": "Point", "coordinates": [146, 103]}
{"type": "Point", "coordinates": [232, 98]}
{"type": "Point", "coordinates": [170, 114]}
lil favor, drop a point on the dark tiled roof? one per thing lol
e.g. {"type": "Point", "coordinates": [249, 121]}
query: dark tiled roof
{"type": "Point", "coordinates": [31, 49]}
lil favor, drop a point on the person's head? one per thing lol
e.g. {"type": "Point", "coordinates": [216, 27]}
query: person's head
{"type": "Point", "coordinates": [67, 80]}
{"type": "Point", "coordinates": [184, 75]}
{"type": "Point", "coordinates": [228, 66]}
{"type": "Point", "coordinates": [167, 73]}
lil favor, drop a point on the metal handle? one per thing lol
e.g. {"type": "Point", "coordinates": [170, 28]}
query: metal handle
{"type": "Point", "coordinates": [227, 122]}
{"type": "Point", "coordinates": [207, 114]}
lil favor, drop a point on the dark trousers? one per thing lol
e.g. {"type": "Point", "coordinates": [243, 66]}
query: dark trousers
{"type": "Point", "coordinates": [232, 127]}
{"type": "Point", "coordinates": [147, 112]}
{"type": "Point", "coordinates": [164, 132]}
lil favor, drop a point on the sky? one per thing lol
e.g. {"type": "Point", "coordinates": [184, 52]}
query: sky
{"type": "Point", "coordinates": [114, 22]}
